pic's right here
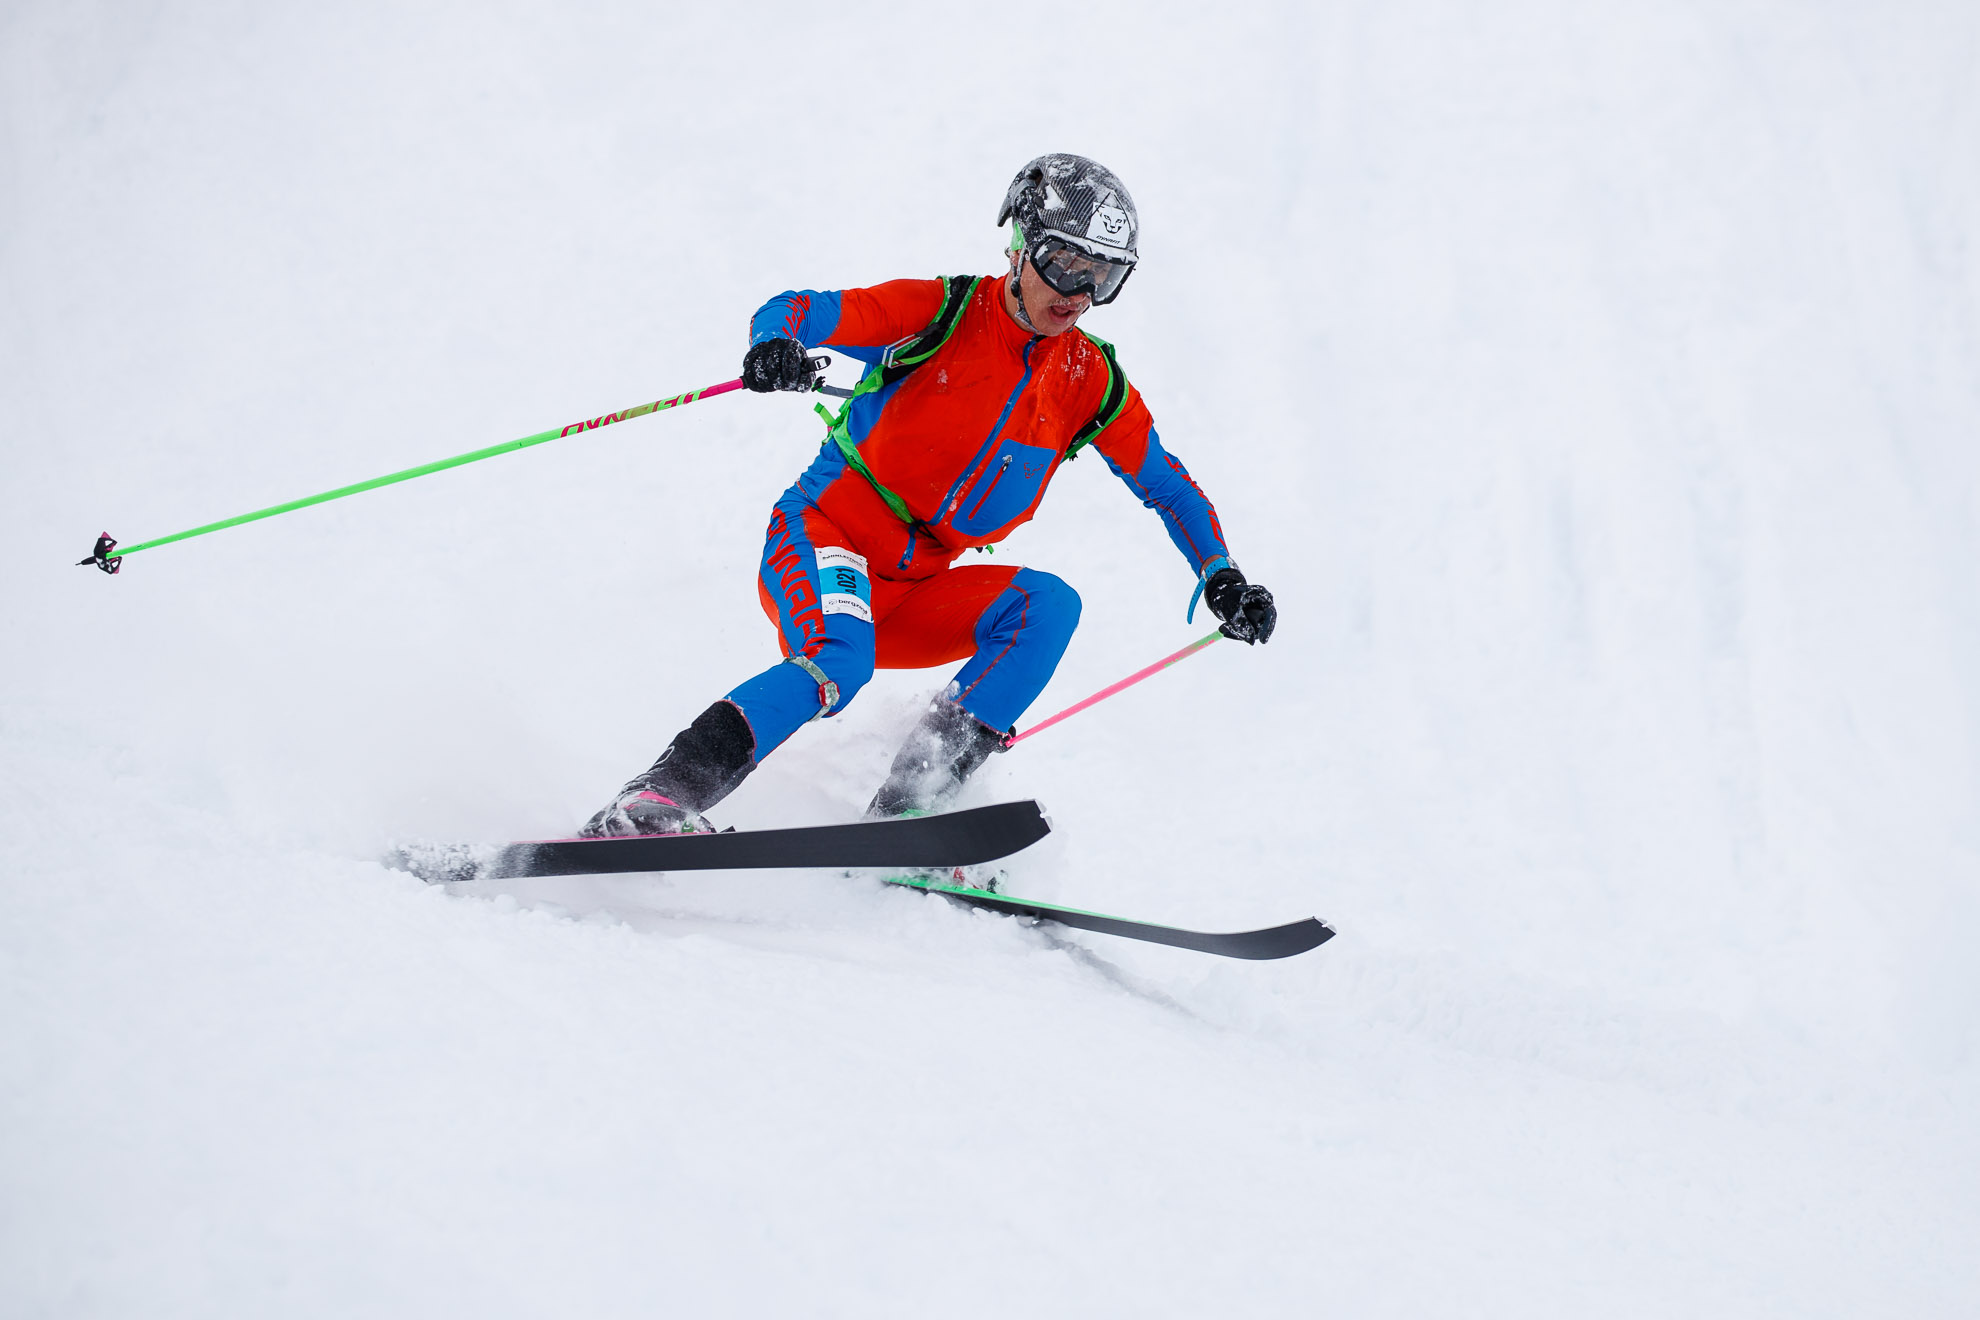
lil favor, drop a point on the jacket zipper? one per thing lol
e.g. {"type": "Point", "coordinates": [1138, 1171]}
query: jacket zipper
{"type": "Point", "coordinates": [953, 499]}
{"type": "Point", "coordinates": [1002, 468]}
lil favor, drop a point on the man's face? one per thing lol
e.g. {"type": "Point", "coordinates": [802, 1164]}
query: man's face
{"type": "Point", "coordinates": [1051, 311]}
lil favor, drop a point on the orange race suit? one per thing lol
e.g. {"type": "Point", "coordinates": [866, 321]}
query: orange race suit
{"type": "Point", "coordinates": [857, 566]}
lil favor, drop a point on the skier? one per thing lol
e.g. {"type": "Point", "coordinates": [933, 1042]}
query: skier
{"type": "Point", "coordinates": [975, 392]}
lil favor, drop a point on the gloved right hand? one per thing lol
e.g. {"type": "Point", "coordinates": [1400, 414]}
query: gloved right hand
{"type": "Point", "coordinates": [1245, 608]}
{"type": "Point", "coordinates": [778, 364]}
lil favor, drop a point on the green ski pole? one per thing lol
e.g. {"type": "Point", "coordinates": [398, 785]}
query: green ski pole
{"type": "Point", "coordinates": [109, 562]}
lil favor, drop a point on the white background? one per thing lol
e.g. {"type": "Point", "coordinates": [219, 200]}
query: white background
{"type": "Point", "coordinates": [1597, 387]}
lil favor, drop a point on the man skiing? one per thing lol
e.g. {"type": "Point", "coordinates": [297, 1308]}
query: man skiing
{"type": "Point", "coordinates": [975, 392]}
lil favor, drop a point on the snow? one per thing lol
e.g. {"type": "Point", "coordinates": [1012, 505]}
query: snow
{"type": "Point", "coordinates": [1594, 386]}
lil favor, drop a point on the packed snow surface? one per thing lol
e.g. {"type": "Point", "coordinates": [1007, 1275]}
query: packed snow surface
{"type": "Point", "coordinates": [1596, 386]}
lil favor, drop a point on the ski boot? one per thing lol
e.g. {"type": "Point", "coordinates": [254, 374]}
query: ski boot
{"type": "Point", "coordinates": [700, 767]}
{"type": "Point", "coordinates": [944, 750]}
{"type": "Point", "coordinates": [640, 810]}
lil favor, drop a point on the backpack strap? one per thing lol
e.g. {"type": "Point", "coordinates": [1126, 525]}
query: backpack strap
{"type": "Point", "coordinates": [900, 359]}
{"type": "Point", "coordinates": [1113, 400]}
{"type": "Point", "coordinates": [905, 355]}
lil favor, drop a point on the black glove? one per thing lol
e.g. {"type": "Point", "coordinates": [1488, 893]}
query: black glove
{"type": "Point", "coordinates": [778, 364]}
{"type": "Point", "coordinates": [1246, 609]}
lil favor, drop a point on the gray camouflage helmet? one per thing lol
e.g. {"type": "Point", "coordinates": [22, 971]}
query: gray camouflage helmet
{"type": "Point", "coordinates": [1075, 199]}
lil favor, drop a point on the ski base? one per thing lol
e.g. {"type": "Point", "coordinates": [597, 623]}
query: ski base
{"type": "Point", "coordinates": [956, 838]}
{"type": "Point", "coordinates": [1273, 942]}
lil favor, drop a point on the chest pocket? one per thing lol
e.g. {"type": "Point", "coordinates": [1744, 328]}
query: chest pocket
{"type": "Point", "coordinates": [1003, 489]}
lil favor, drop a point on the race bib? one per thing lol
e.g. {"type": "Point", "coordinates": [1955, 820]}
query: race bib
{"type": "Point", "coordinates": [842, 584]}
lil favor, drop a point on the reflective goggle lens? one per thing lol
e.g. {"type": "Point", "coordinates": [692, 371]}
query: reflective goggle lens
{"type": "Point", "coordinates": [1071, 271]}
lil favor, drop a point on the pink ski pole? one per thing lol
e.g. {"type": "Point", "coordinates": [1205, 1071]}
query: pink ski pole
{"type": "Point", "coordinates": [1111, 689]}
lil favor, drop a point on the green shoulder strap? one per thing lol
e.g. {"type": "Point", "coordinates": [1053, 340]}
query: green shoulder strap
{"type": "Point", "coordinates": [1113, 401]}
{"type": "Point", "coordinates": [895, 364]}
{"type": "Point", "coordinates": [903, 357]}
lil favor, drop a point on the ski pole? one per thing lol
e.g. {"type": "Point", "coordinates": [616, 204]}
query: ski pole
{"type": "Point", "coordinates": [102, 557]}
{"type": "Point", "coordinates": [1112, 688]}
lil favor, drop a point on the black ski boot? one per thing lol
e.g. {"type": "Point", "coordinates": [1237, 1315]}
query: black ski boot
{"type": "Point", "coordinates": [946, 748]}
{"type": "Point", "coordinates": [700, 767]}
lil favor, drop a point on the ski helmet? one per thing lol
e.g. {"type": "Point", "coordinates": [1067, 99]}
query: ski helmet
{"type": "Point", "coordinates": [1073, 209]}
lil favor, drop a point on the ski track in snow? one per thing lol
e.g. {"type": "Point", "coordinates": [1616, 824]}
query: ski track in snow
{"type": "Point", "coordinates": [1596, 390]}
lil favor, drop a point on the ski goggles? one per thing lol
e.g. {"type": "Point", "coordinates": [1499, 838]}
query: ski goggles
{"type": "Point", "coordinates": [1071, 270]}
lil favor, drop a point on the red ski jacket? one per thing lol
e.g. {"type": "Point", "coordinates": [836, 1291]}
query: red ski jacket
{"type": "Point", "coordinates": [970, 439]}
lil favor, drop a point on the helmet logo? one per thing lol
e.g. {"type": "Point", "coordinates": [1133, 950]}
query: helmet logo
{"type": "Point", "coordinates": [1110, 225]}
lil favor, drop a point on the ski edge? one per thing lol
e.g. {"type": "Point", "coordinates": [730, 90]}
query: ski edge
{"type": "Point", "coordinates": [1268, 943]}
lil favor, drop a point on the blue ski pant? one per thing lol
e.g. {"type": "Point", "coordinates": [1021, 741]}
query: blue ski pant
{"type": "Point", "coordinates": [837, 625]}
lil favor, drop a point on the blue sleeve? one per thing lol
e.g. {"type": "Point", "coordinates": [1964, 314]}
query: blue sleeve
{"type": "Point", "coordinates": [805, 315]}
{"type": "Point", "coordinates": [1163, 484]}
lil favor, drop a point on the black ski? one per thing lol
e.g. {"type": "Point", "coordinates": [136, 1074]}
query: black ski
{"type": "Point", "coordinates": [1272, 942]}
{"type": "Point", "coordinates": [956, 838]}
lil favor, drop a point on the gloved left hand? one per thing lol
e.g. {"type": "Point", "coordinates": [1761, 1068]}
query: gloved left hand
{"type": "Point", "coordinates": [1245, 608]}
